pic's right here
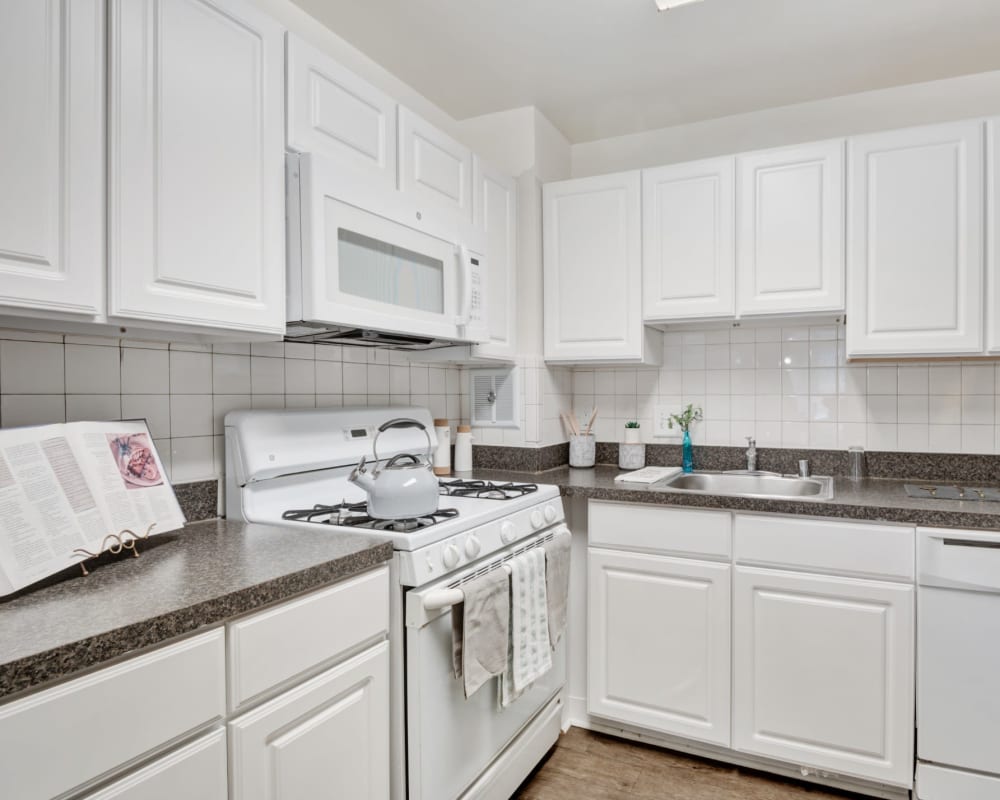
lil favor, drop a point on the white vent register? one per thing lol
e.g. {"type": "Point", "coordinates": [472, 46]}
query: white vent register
{"type": "Point", "coordinates": [495, 397]}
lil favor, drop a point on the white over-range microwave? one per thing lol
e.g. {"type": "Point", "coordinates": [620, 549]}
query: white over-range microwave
{"type": "Point", "coordinates": [370, 267]}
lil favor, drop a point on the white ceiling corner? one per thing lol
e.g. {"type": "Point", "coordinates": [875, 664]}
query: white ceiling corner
{"type": "Point", "coordinates": [602, 68]}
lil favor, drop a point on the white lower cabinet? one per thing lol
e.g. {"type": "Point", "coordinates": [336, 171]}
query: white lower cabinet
{"type": "Point", "coordinates": [823, 672]}
{"type": "Point", "coordinates": [786, 638]}
{"type": "Point", "coordinates": [154, 727]}
{"type": "Point", "coordinates": [328, 737]}
{"type": "Point", "coordinates": [197, 771]}
{"type": "Point", "coordinates": [659, 643]}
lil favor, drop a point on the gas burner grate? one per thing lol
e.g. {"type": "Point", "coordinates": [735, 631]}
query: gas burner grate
{"type": "Point", "coordinates": [338, 512]}
{"type": "Point", "coordinates": [401, 525]}
{"type": "Point", "coordinates": [486, 490]}
{"type": "Point", "coordinates": [355, 515]}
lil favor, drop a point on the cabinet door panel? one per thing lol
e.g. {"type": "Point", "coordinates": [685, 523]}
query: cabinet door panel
{"type": "Point", "coordinates": [823, 672]}
{"type": "Point", "coordinates": [433, 167]}
{"type": "Point", "coordinates": [791, 217]}
{"type": "Point", "coordinates": [495, 212]}
{"type": "Point", "coordinates": [197, 167]}
{"type": "Point", "coordinates": [658, 644]}
{"type": "Point", "coordinates": [592, 244]}
{"type": "Point", "coordinates": [688, 230]}
{"type": "Point", "coordinates": [52, 155]}
{"type": "Point", "coordinates": [915, 255]}
{"type": "Point", "coordinates": [331, 111]}
{"type": "Point", "coordinates": [328, 737]}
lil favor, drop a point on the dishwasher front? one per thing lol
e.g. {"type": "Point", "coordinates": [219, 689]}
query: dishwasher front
{"type": "Point", "coordinates": [958, 665]}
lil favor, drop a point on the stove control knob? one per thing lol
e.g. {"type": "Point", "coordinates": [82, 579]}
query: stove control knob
{"type": "Point", "coordinates": [550, 514]}
{"type": "Point", "coordinates": [451, 557]}
{"type": "Point", "coordinates": [536, 519]}
{"type": "Point", "coordinates": [472, 546]}
{"type": "Point", "coordinates": [507, 532]}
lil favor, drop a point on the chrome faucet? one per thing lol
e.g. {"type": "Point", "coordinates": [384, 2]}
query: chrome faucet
{"type": "Point", "coordinates": [751, 454]}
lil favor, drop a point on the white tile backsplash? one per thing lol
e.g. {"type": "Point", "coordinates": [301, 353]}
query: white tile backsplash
{"type": "Point", "coordinates": [184, 391]}
{"type": "Point", "coordinates": [792, 387]}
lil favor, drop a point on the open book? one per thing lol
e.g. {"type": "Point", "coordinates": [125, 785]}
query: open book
{"type": "Point", "coordinates": [64, 487]}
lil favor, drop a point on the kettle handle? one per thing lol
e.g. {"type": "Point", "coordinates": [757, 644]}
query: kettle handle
{"type": "Point", "coordinates": [402, 422]}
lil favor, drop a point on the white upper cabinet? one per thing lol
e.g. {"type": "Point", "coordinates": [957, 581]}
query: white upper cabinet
{"type": "Point", "coordinates": [915, 249]}
{"type": "Point", "coordinates": [992, 233]}
{"type": "Point", "coordinates": [196, 165]}
{"type": "Point", "coordinates": [592, 246]}
{"type": "Point", "coordinates": [495, 213]}
{"type": "Point", "coordinates": [791, 230]}
{"type": "Point", "coordinates": [688, 240]}
{"type": "Point", "coordinates": [333, 112]}
{"type": "Point", "coordinates": [52, 155]}
{"type": "Point", "coordinates": [434, 169]}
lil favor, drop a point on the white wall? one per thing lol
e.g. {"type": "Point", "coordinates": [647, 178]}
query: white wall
{"type": "Point", "coordinates": [900, 107]}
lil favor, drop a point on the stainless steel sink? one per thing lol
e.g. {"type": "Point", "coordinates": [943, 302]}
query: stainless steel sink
{"type": "Point", "coordinates": [751, 484]}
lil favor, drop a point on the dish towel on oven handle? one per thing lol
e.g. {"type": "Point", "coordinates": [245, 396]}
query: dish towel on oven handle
{"type": "Point", "coordinates": [480, 630]}
{"type": "Point", "coordinates": [530, 654]}
{"type": "Point", "coordinates": [557, 557]}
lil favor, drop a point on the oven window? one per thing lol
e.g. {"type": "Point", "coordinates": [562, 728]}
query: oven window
{"type": "Point", "coordinates": [385, 273]}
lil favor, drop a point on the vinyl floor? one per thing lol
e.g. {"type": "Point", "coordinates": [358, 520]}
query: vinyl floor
{"type": "Point", "coordinates": [591, 766]}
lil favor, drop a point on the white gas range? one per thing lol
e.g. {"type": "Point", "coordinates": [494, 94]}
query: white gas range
{"type": "Point", "coordinates": [291, 467]}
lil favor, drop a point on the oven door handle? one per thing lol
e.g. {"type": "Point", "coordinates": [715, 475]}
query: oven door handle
{"type": "Point", "coordinates": [443, 598]}
{"type": "Point", "coordinates": [426, 607]}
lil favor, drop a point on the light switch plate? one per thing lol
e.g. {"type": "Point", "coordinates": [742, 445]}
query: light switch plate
{"type": "Point", "coordinates": [661, 420]}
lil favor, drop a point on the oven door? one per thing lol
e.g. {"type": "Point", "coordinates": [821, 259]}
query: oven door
{"type": "Point", "coordinates": [369, 260]}
{"type": "Point", "coordinates": [451, 740]}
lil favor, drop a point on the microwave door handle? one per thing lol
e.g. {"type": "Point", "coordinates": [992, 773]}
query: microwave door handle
{"type": "Point", "coordinates": [466, 310]}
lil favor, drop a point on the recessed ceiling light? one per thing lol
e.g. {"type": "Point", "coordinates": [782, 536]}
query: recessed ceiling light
{"type": "Point", "coordinates": [667, 5]}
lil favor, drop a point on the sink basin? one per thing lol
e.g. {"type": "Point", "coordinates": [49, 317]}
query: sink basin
{"type": "Point", "coordinates": [751, 484]}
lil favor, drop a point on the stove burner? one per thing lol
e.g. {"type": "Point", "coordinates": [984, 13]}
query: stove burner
{"type": "Point", "coordinates": [355, 515]}
{"type": "Point", "coordinates": [486, 490]}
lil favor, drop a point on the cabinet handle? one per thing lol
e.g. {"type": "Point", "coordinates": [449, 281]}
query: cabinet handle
{"type": "Point", "coordinates": [971, 543]}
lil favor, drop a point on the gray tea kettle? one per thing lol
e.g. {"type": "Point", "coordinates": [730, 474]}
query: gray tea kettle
{"type": "Point", "coordinates": [405, 486]}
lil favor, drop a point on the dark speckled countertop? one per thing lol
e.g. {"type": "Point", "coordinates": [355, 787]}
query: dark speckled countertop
{"type": "Point", "coordinates": [871, 500]}
{"type": "Point", "coordinates": [201, 576]}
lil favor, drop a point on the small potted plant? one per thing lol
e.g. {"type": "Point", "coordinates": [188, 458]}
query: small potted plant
{"type": "Point", "coordinates": [683, 421]}
{"type": "Point", "coordinates": [632, 452]}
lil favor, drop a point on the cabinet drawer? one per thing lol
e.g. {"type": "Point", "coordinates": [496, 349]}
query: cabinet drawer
{"type": "Point", "coordinates": [940, 783]}
{"type": "Point", "coordinates": [661, 530]}
{"type": "Point", "coordinates": [197, 771]}
{"type": "Point", "coordinates": [271, 647]}
{"type": "Point", "coordinates": [846, 548]}
{"type": "Point", "coordinates": [60, 738]}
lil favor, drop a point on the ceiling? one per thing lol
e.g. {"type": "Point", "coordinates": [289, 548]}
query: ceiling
{"type": "Point", "coordinates": [601, 68]}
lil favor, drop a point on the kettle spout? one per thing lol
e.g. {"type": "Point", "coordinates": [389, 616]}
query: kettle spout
{"type": "Point", "coordinates": [360, 476]}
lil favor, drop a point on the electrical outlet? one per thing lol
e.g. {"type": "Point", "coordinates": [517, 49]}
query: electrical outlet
{"type": "Point", "coordinates": [661, 423]}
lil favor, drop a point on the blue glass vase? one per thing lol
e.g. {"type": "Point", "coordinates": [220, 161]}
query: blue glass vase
{"type": "Point", "coordinates": [688, 461]}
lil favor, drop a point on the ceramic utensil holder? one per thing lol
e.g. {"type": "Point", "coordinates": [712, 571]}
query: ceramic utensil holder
{"type": "Point", "coordinates": [582, 450]}
{"type": "Point", "coordinates": [631, 456]}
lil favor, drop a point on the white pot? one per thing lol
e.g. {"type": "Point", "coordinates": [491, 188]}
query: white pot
{"type": "Point", "coordinates": [633, 436]}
